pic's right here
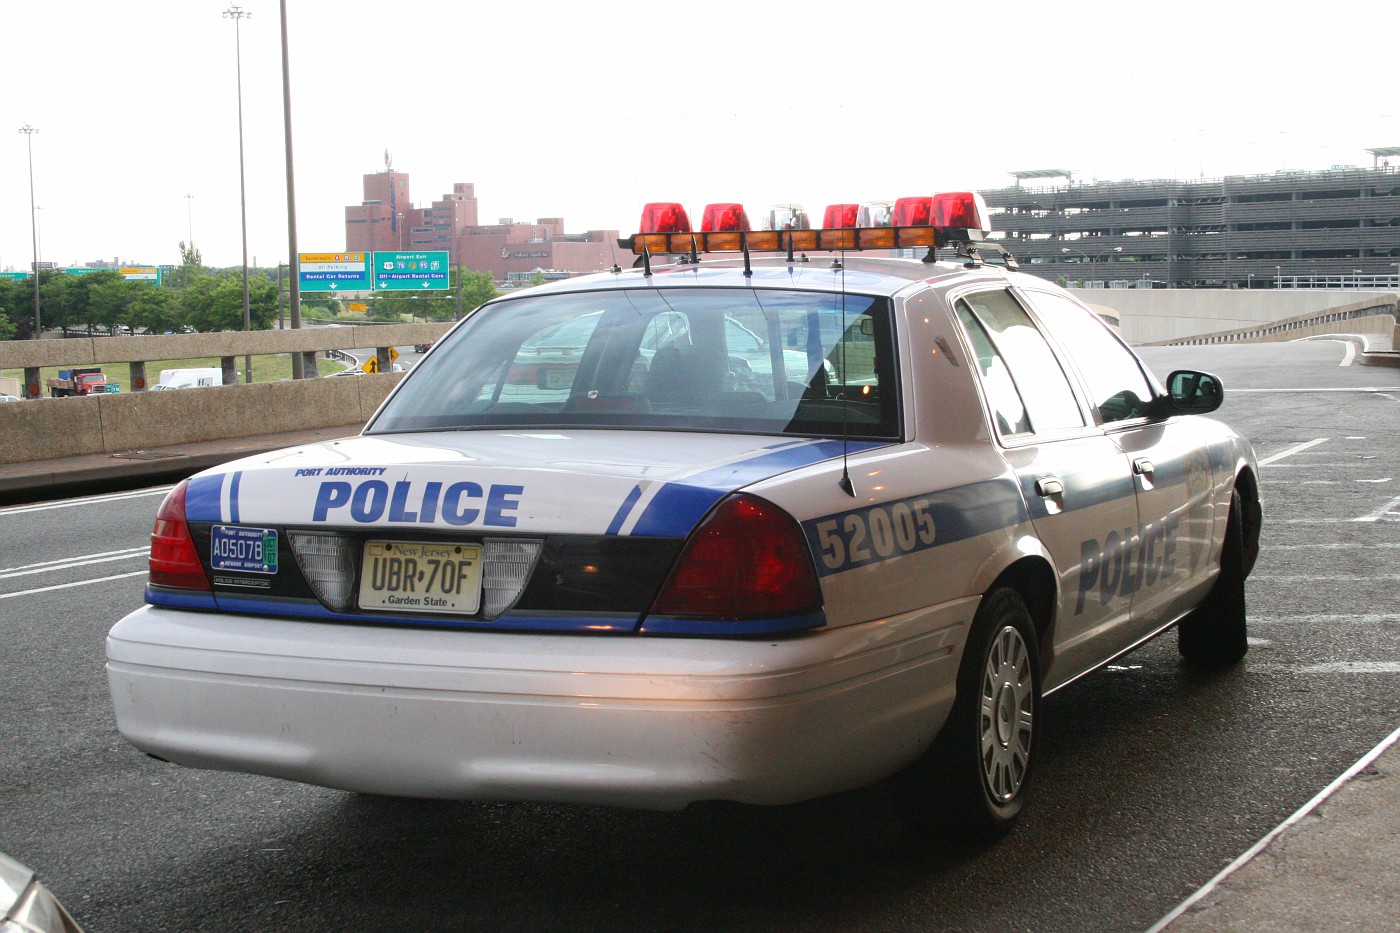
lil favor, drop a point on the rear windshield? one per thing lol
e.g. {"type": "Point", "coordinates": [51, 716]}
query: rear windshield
{"type": "Point", "coordinates": [702, 359]}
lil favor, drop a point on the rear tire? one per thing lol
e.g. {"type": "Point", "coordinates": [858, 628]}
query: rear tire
{"type": "Point", "coordinates": [976, 776]}
{"type": "Point", "coordinates": [1214, 634]}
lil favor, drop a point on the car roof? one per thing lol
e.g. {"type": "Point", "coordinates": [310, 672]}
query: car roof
{"type": "Point", "coordinates": [864, 274]}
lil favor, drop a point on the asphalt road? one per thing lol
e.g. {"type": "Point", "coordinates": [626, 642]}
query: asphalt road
{"type": "Point", "coordinates": [1152, 779]}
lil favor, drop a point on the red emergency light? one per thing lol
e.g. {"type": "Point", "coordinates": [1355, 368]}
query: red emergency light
{"type": "Point", "coordinates": [665, 217]}
{"type": "Point", "coordinates": [960, 210]}
{"type": "Point", "coordinates": [724, 218]}
{"type": "Point", "coordinates": [840, 215]}
{"type": "Point", "coordinates": [912, 212]}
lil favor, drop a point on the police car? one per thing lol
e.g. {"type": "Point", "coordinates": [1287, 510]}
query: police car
{"type": "Point", "coordinates": [754, 528]}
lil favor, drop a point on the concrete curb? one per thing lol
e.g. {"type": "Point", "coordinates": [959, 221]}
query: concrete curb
{"type": "Point", "coordinates": [1332, 865]}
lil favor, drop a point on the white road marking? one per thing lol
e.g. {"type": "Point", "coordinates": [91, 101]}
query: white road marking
{"type": "Point", "coordinates": [1384, 512]}
{"type": "Point", "coordinates": [89, 500]}
{"type": "Point", "coordinates": [1337, 577]}
{"type": "Point", "coordinates": [67, 562]}
{"type": "Point", "coordinates": [64, 586]}
{"type": "Point", "coordinates": [1331, 667]}
{"type": "Point", "coordinates": [1295, 449]}
{"type": "Point", "coordinates": [1314, 618]}
{"type": "Point", "coordinates": [1320, 389]}
{"type": "Point", "coordinates": [1334, 546]}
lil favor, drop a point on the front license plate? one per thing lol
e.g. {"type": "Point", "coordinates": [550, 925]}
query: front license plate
{"type": "Point", "coordinates": [421, 576]}
{"type": "Point", "coordinates": [243, 550]}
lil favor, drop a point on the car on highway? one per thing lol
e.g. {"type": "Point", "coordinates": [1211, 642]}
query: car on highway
{"type": "Point", "coordinates": [754, 528]}
{"type": "Point", "coordinates": [8, 398]}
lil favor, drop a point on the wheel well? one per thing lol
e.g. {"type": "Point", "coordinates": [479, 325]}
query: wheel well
{"type": "Point", "coordinates": [1247, 485]}
{"type": "Point", "coordinates": [1034, 579]}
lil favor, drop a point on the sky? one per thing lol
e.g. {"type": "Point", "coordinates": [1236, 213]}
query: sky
{"type": "Point", "coordinates": [587, 110]}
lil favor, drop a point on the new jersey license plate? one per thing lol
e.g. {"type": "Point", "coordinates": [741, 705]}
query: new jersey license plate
{"type": "Point", "coordinates": [421, 576]}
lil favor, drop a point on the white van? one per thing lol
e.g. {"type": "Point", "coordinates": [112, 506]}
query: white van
{"type": "Point", "coordinates": [190, 378]}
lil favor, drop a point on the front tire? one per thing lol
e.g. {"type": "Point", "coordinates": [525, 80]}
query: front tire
{"type": "Point", "coordinates": [984, 758]}
{"type": "Point", "coordinates": [1214, 634]}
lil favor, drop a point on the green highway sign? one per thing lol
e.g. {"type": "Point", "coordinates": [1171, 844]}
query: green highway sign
{"type": "Point", "coordinates": [400, 272]}
{"type": "Point", "coordinates": [14, 275]}
{"type": "Point", "coordinates": [333, 272]}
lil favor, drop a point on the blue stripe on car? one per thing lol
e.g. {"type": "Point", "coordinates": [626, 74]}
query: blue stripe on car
{"type": "Point", "coordinates": [624, 510]}
{"type": "Point", "coordinates": [674, 511]}
{"type": "Point", "coordinates": [203, 499]}
{"type": "Point", "coordinates": [845, 540]}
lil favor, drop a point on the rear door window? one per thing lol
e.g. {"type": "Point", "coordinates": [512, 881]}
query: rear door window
{"type": "Point", "coordinates": [1026, 387]}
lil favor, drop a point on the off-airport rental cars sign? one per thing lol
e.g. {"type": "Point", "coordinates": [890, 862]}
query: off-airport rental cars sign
{"type": "Point", "coordinates": [381, 271]}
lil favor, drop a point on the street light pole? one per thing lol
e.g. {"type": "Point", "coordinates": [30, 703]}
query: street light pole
{"type": "Point", "coordinates": [294, 290]}
{"type": "Point", "coordinates": [235, 13]}
{"type": "Point", "coordinates": [29, 132]}
{"type": "Point", "coordinates": [189, 218]}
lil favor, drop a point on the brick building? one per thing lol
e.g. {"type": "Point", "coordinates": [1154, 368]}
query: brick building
{"type": "Point", "coordinates": [387, 220]}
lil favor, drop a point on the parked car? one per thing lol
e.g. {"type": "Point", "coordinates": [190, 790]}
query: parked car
{"type": "Point", "coordinates": [755, 529]}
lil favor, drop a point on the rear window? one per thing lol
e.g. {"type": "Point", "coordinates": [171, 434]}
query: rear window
{"type": "Point", "coordinates": [704, 359]}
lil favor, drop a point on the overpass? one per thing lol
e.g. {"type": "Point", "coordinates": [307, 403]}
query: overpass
{"type": "Point", "coordinates": [116, 430]}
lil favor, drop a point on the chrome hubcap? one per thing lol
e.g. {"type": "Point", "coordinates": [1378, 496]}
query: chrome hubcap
{"type": "Point", "coordinates": [1007, 714]}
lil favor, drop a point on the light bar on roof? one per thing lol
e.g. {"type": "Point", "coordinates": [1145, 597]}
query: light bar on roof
{"type": "Point", "coordinates": [780, 241]}
{"type": "Point", "coordinates": [937, 221]}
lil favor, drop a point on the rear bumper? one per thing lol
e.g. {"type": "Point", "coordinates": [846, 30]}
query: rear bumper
{"type": "Point", "coordinates": [631, 721]}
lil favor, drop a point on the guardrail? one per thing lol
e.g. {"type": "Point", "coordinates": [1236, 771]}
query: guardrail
{"type": "Point", "coordinates": [46, 429]}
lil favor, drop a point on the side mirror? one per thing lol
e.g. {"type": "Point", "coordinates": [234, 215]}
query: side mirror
{"type": "Point", "coordinates": [1190, 392]}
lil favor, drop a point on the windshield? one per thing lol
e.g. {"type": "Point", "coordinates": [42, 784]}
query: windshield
{"type": "Point", "coordinates": [701, 359]}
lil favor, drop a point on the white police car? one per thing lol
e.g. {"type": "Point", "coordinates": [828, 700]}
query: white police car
{"type": "Point", "coordinates": [587, 551]}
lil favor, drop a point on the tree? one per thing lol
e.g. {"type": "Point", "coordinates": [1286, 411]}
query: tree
{"type": "Point", "coordinates": [108, 295]}
{"type": "Point", "coordinates": [155, 309]}
{"type": "Point", "coordinates": [191, 265]}
{"type": "Point", "coordinates": [215, 302]}
{"type": "Point", "coordinates": [477, 289]}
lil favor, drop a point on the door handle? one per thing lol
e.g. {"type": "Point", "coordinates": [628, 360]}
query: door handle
{"type": "Point", "coordinates": [1143, 467]}
{"type": "Point", "coordinates": [1048, 486]}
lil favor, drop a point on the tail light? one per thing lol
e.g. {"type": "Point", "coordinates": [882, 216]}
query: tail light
{"type": "Point", "coordinates": [840, 216]}
{"type": "Point", "coordinates": [174, 562]}
{"type": "Point", "coordinates": [665, 217]}
{"type": "Point", "coordinates": [724, 218]}
{"type": "Point", "coordinates": [912, 212]}
{"type": "Point", "coordinates": [748, 560]}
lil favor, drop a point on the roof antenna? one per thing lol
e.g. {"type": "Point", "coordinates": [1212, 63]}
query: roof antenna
{"type": "Point", "coordinates": [845, 481]}
{"type": "Point", "coordinates": [694, 252]}
{"type": "Point", "coordinates": [744, 242]}
{"type": "Point", "coordinates": [646, 261]}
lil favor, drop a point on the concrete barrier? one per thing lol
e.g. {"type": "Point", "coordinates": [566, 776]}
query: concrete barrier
{"type": "Point", "coordinates": [49, 429]}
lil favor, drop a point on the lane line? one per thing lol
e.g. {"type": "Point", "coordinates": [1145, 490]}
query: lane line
{"type": "Point", "coordinates": [1295, 449]}
{"type": "Point", "coordinates": [64, 560]}
{"type": "Point", "coordinates": [89, 500]}
{"type": "Point", "coordinates": [1316, 619]}
{"type": "Point", "coordinates": [64, 586]}
{"type": "Point", "coordinates": [1319, 389]}
{"type": "Point", "coordinates": [1329, 577]}
{"type": "Point", "coordinates": [1302, 812]}
{"type": "Point", "coordinates": [71, 563]}
{"type": "Point", "coordinates": [1390, 508]}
